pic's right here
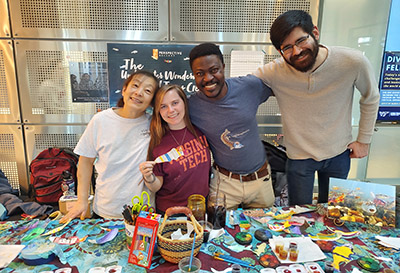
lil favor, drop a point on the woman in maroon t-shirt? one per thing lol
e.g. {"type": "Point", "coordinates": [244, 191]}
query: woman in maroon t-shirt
{"type": "Point", "coordinates": [174, 181]}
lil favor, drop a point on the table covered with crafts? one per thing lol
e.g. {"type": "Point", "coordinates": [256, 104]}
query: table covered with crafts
{"type": "Point", "coordinates": [252, 236]}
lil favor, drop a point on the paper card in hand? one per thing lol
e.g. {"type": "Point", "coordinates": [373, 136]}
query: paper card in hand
{"type": "Point", "coordinates": [173, 154]}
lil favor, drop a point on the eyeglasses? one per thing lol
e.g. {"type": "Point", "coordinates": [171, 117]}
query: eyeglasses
{"type": "Point", "coordinates": [299, 43]}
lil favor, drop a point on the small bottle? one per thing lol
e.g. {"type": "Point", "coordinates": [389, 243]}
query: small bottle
{"type": "Point", "coordinates": [197, 203]}
{"type": "Point", "coordinates": [68, 184]}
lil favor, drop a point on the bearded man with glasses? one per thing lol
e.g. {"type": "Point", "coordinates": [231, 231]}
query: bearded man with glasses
{"type": "Point", "coordinates": [314, 87]}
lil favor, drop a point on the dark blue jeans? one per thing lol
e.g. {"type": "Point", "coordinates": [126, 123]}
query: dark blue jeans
{"type": "Point", "coordinates": [301, 173]}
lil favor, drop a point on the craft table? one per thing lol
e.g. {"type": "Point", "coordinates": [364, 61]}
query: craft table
{"type": "Point", "coordinates": [83, 256]}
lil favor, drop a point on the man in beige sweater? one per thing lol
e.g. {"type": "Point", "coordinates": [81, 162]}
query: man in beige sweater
{"type": "Point", "coordinates": [314, 86]}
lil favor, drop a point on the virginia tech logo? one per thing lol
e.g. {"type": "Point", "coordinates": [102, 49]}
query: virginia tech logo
{"type": "Point", "coordinates": [383, 113]}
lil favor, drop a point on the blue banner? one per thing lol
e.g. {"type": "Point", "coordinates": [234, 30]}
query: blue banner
{"type": "Point", "coordinates": [389, 105]}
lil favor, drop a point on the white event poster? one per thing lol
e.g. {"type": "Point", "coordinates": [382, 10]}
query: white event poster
{"type": "Point", "coordinates": [245, 62]}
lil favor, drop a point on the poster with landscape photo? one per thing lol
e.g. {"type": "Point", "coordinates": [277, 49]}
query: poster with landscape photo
{"type": "Point", "coordinates": [362, 202]}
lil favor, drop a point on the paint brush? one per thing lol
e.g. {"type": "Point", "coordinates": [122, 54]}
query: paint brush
{"type": "Point", "coordinates": [127, 215]}
{"type": "Point", "coordinates": [232, 260]}
{"type": "Point", "coordinates": [192, 252]}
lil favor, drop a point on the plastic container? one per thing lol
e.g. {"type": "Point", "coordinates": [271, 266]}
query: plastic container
{"type": "Point", "coordinates": [313, 267]}
{"type": "Point", "coordinates": [37, 254]}
{"type": "Point", "coordinates": [267, 270]}
{"type": "Point", "coordinates": [283, 269]}
{"type": "Point", "coordinates": [66, 202]}
{"type": "Point", "coordinates": [184, 265]}
{"type": "Point", "coordinates": [207, 227]}
{"type": "Point", "coordinates": [298, 268]}
{"type": "Point", "coordinates": [129, 231]}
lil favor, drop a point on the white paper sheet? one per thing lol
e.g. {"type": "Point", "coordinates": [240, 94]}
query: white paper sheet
{"type": "Point", "coordinates": [308, 250]}
{"type": "Point", "coordinates": [392, 242]}
{"type": "Point", "coordinates": [8, 254]}
{"type": "Point", "coordinates": [245, 62]}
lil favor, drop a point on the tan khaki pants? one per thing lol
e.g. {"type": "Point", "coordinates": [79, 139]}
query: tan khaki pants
{"type": "Point", "coordinates": [251, 194]}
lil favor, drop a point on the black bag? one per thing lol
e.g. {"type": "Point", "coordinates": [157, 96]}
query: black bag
{"type": "Point", "coordinates": [47, 172]}
{"type": "Point", "coordinates": [277, 158]}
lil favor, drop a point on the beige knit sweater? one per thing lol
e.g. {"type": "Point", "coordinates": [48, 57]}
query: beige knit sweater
{"type": "Point", "coordinates": [316, 106]}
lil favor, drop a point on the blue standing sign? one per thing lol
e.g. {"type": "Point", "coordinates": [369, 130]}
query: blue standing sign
{"type": "Point", "coordinates": [389, 105]}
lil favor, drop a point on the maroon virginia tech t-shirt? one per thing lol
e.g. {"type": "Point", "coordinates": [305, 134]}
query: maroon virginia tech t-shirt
{"type": "Point", "coordinates": [187, 175]}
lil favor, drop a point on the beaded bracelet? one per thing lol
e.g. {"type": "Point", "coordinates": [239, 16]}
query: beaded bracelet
{"type": "Point", "coordinates": [150, 182]}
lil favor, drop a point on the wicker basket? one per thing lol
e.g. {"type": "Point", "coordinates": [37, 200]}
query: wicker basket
{"type": "Point", "coordinates": [174, 250]}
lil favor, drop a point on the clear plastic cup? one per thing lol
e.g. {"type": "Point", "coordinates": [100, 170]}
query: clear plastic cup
{"type": "Point", "coordinates": [207, 227]}
{"type": "Point", "coordinates": [184, 265]}
{"type": "Point", "coordinates": [278, 246]}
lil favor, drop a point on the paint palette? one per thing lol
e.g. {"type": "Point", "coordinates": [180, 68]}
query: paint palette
{"type": "Point", "coordinates": [243, 238]}
{"type": "Point", "coordinates": [110, 269]}
{"type": "Point", "coordinates": [298, 268]}
{"type": "Point", "coordinates": [267, 270]}
{"type": "Point", "coordinates": [314, 268]}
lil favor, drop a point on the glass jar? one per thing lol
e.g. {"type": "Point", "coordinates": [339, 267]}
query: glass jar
{"type": "Point", "coordinates": [216, 209]}
{"type": "Point", "coordinates": [197, 203]}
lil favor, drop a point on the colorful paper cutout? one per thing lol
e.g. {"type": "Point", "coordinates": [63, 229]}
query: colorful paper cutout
{"type": "Point", "coordinates": [106, 238]}
{"type": "Point", "coordinates": [341, 254]}
{"type": "Point", "coordinates": [279, 227]}
{"type": "Point", "coordinates": [57, 229]}
{"type": "Point", "coordinates": [173, 154]}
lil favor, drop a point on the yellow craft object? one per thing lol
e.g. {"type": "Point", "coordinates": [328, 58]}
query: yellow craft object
{"type": "Point", "coordinates": [83, 239]}
{"type": "Point", "coordinates": [260, 249]}
{"type": "Point", "coordinates": [5, 226]}
{"type": "Point", "coordinates": [286, 224]}
{"type": "Point", "coordinates": [326, 237]}
{"type": "Point", "coordinates": [341, 254]}
{"type": "Point", "coordinates": [57, 215]}
{"type": "Point", "coordinates": [345, 234]}
{"type": "Point", "coordinates": [352, 218]}
{"type": "Point", "coordinates": [245, 225]}
{"type": "Point", "coordinates": [279, 227]}
{"type": "Point", "coordinates": [57, 229]}
{"type": "Point", "coordinates": [283, 216]}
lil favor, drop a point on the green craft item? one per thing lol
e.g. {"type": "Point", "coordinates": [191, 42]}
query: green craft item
{"type": "Point", "coordinates": [243, 238]}
{"type": "Point", "coordinates": [369, 264]}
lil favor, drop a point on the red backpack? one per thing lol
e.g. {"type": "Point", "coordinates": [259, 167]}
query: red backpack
{"type": "Point", "coordinates": [46, 173]}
